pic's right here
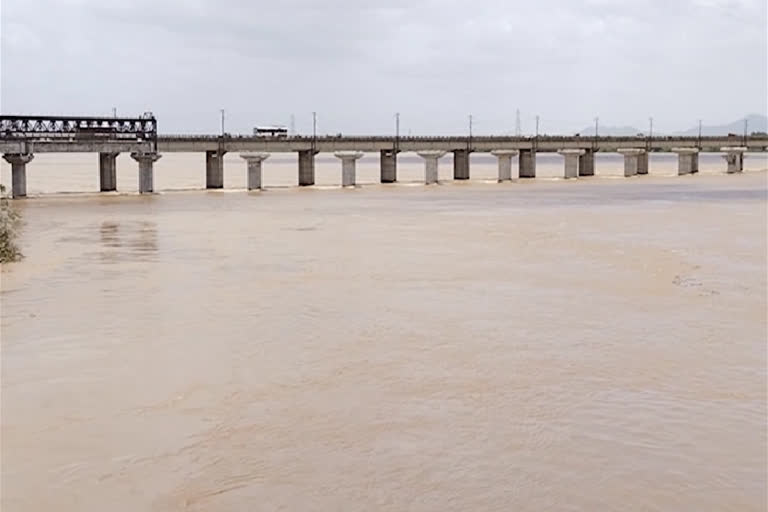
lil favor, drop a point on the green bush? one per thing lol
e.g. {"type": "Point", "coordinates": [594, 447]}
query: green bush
{"type": "Point", "coordinates": [10, 222]}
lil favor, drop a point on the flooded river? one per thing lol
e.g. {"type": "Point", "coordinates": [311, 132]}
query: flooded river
{"type": "Point", "coordinates": [594, 344]}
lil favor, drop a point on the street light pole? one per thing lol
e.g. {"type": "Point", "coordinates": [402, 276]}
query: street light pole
{"type": "Point", "coordinates": [650, 119]}
{"type": "Point", "coordinates": [222, 122]}
{"type": "Point", "coordinates": [537, 126]}
{"type": "Point", "coordinates": [469, 141]}
{"type": "Point", "coordinates": [746, 124]}
{"type": "Point", "coordinates": [597, 121]}
{"type": "Point", "coordinates": [314, 125]}
{"type": "Point", "coordinates": [397, 132]}
{"type": "Point", "coordinates": [699, 133]}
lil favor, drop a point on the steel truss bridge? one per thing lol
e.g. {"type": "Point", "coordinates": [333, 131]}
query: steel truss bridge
{"type": "Point", "coordinates": [63, 129]}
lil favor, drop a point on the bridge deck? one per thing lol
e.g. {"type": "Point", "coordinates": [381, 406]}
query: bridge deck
{"type": "Point", "coordinates": [200, 143]}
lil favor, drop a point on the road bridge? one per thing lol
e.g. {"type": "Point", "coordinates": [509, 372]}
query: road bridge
{"type": "Point", "coordinates": [21, 138]}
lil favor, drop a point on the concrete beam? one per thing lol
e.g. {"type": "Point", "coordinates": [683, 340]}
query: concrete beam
{"type": "Point", "coordinates": [527, 164]}
{"type": "Point", "coordinates": [254, 168]}
{"type": "Point", "coordinates": [108, 171]}
{"type": "Point", "coordinates": [146, 170]}
{"type": "Point", "coordinates": [214, 169]}
{"type": "Point", "coordinates": [587, 163]}
{"type": "Point", "coordinates": [18, 173]}
{"type": "Point", "coordinates": [388, 166]}
{"type": "Point", "coordinates": [687, 160]}
{"type": "Point", "coordinates": [571, 167]}
{"type": "Point", "coordinates": [306, 168]}
{"type": "Point", "coordinates": [461, 164]}
{"type": "Point", "coordinates": [631, 160]}
{"type": "Point", "coordinates": [348, 164]}
{"type": "Point", "coordinates": [430, 164]}
{"type": "Point", "coordinates": [505, 164]}
{"type": "Point", "coordinates": [734, 157]}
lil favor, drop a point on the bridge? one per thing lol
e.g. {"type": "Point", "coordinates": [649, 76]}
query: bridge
{"type": "Point", "coordinates": [23, 136]}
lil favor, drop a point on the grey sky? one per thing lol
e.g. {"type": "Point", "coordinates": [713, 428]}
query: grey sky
{"type": "Point", "coordinates": [357, 62]}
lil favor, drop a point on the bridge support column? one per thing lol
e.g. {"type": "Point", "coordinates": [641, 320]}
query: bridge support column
{"type": "Point", "coordinates": [527, 163]}
{"type": "Point", "coordinates": [587, 163]}
{"type": "Point", "coordinates": [430, 165]}
{"type": "Point", "coordinates": [734, 157]}
{"type": "Point", "coordinates": [108, 172]}
{"type": "Point", "coordinates": [146, 170]}
{"type": "Point", "coordinates": [18, 173]}
{"type": "Point", "coordinates": [214, 169]}
{"type": "Point", "coordinates": [632, 158]}
{"type": "Point", "coordinates": [572, 158]}
{"type": "Point", "coordinates": [505, 164]}
{"type": "Point", "coordinates": [348, 165]}
{"type": "Point", "coordinates": [642, 163]}
{"type": "Point", "coordinates": [461, 164]}
{"type": "Point", "coordinates": [388, 166]}
{"type": "Point", "coordinates": [254, 168]}
{"type": "Point", "coordinates": [306, 168]}
{"type": "Point", "coordinates": [687, 160]}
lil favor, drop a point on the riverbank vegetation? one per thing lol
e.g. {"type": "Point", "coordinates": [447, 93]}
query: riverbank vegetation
{"type": "Point", "coordinates": [10, 222]}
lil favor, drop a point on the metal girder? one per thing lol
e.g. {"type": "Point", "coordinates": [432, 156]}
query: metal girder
{"type": "Point", "coordinates": [46, 128]}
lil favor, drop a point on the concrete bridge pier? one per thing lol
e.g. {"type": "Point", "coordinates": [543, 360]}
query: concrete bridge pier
{"type": "Point", "coordinates": [687, 160]}
{"type": "Point", "coordinates": [631, 160]}
{"type": "Point", "coordinates": [572, 160]}
{"type": "Point", "coordinates": [430, 164]}
{"type": "Point", "coordinates": [18, 173]}
{"type": "Point", "coordinates": [734, 157]}
{"type": "Point", "coordinates": [214, 169]}
{"type": "Point", "coordinates": [505, 164]}
{"type": "Point", "coordinates": [587, 163]}
{"type": "Point", "coordinates": [461, 164]}
{"type": "Point", "coordinates": [306, 167]}
{"type": "Point", "coordinates": [642, 163]}
{"type": "Point", "coordinates": [348, 166]}
{"type": "Point", "coordinates": [527, 164]}
{"type": "Point", "coordinates": [108, 172]}
{"type": "Point", "coordinates": [388, 166]}
{"type": "Point", "coordinates": [254, 168]}
{"type": "Point", "coordinates": [146, 170]}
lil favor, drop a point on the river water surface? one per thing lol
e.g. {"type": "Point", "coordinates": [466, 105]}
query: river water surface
{"type": "Point", "coordinates": [594, 344]}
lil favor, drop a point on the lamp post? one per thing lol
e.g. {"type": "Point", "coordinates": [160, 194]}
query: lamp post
{"type": "Point", "coordinates": [469, 141]}
{"type": "Point", "coordinates": [314, 131]}
{"type": "Point", "coordinates": [222, 121]}
{"type": "Point", "coordinates": [397, 132]}
{"type": "Point", "coordinates": [746, 124]}
{"type": "Point", "coordinates": [699, 133]}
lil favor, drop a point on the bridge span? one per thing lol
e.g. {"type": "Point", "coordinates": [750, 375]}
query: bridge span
{"type": "Point", "coordinates": [19, 141]}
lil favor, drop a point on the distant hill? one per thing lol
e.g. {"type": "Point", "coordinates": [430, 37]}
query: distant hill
{"type": "Point", "coordinates": [755, 123]}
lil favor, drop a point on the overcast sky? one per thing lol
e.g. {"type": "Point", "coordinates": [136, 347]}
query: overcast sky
{"type": "Point", "coordinates": [357, 62]}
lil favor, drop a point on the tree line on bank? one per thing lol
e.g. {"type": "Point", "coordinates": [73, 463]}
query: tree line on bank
{"type": "Point", "coordinates": [10, 222]}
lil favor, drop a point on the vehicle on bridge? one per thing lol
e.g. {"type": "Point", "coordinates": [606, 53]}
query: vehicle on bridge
{"type": "Point", "coordinates": [270, 131]}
